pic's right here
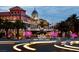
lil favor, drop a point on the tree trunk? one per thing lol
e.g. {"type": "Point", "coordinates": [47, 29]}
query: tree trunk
{"type": "Point", "coordinates": [6, 33]}
{"type": "Point", "coordinates": [17, 34]}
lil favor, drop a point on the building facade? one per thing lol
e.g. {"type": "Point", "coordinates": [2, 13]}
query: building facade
{"type": "Point", "coordinates": [17, 13]}
{"type": "Point", "coordinates": [32, 22]}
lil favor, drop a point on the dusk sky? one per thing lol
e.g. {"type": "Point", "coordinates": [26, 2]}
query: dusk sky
{"type": "Point", "coordinates": [52, 14]}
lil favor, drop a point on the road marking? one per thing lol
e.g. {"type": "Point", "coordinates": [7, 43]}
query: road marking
{"type": "Point", "coordinates": [66, 48]}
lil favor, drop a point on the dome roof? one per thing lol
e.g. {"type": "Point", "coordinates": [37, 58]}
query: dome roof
{"type": "Point", "coordinates": [34, 11]}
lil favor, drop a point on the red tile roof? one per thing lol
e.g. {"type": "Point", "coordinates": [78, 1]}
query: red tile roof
{"type": "Point", "coordinates": [8, 13]}
{"type": "Point", "coordinates": [16, 8]}
{"type": "Point", "coordinates": [4, 13]}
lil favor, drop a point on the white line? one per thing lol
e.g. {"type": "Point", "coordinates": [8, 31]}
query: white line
{"type": "Point", "coordinates": [66, 48]}
{"type": "Point", "coordinates": [26, 45]}
{"type": "Point", "coordinates": [43, 42]}
{"type": "Point", "coordinates": [33, 49]}
{"type": "Point", "coordinates": [15, 47]}
{"type": "Point", "coordinates": [29, 48]}
{"type": "Point", "coordinates": [71, 46]}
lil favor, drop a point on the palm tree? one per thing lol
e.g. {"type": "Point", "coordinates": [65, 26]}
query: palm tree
{"type": "Point", "coordinates": [61, 26]}
{"type": "Point", "coordinates": [19, 25]}
{"type": "Point", "coordinates": [1, 23]}
{"type": "Point", "coordinates": [1, 27]}
{"type": "Point", "coordinates": [6, 26]}
{"type": "Point", "coordinates": [71, 24]}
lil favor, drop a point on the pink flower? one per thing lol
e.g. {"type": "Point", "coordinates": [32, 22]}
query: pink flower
{"type": "Point", "coordinates": [73, 35]}
{"type": "Point", "coordinates": [27, 33]}
{"type": "Point", "coordinates": [54, 34]}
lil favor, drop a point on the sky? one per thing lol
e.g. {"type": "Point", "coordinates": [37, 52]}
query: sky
{"type": "Point", "coordinates": [53, 14]}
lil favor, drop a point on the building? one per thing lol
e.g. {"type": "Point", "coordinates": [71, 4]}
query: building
{"type": "Point", "coordinates": [39, 23]}
{"type": "Point", "coordinates": [35, 14]}
{"type": "Point", "coordinates": [14, 13]}
{"type": "Point", "coordinates": [32, 22]}
{"type": "Point", "coordinates": [17, 13]}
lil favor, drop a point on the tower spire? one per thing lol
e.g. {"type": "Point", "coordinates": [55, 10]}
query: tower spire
{"type": "Point", "coordinates": [35, 14]}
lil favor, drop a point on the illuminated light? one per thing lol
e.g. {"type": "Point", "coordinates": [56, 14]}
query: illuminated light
{"type": "Point", "coordinates": [33, 49]}
{"type": "Point", "coordinates": [26, 45]}
{"type": "Point", "coordinates": [74, 42]}
{"type": "Point", "coordinates": [29, 48]}
{"type": "Point", "coordinates": [62, 43]}
{"type": "Point", "coordinates": [66, 48]}
{"type": "Point", "coordinates": [71, 46]}
{"type": "Point", "coordinates": [44, 42]}
{"type": "Point", "coordinates": [71, 43]}
{"type": "Point", "coordinates": [77, 42]}
{"type": "Point", "coordinates": [15, 47]}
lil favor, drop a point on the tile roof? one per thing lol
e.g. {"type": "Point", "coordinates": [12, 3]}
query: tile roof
{"type": "Point", "coordinates": [4, 13]}
{"type": "Point", "coordinates": [16, 8]}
